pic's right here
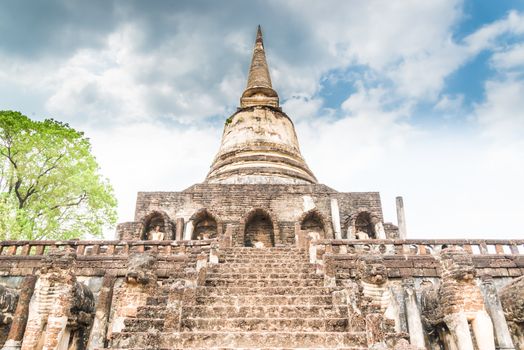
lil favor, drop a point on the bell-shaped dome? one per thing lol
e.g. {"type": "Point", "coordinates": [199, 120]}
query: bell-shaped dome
{"type": "Point", "coordinates": [259, 143]}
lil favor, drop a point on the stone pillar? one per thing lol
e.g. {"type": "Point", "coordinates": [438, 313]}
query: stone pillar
{"type": "Point", "coordinates": [312, 253]}
{"type": "Point", "coordinates": [179, 229]}
{"type": "Point", "coordinates": [459, 329]}
{"type": "Point", "coordinates": [16, 333]}
{"type": "Point", "coordinates": [416, 332]}
{"type": "Point", "coordinates": [335, 218]}
{"type": "Point", "coordinates": [188, 232]}
{"type": "Point", "coordinates": [226, 240]}
{"type": "Point", "coordinates": [397, 294]}
{"type": "Point", "coordinates": [350, 233]}
{"type": "Point", "coordinates": [103, 308]}
{"type": "Point", "coordinates": [56, 331]}
{"type": "Point", "coordinates": [379, 229]}
{"type": "Point", "coordinates": [380, 233]}
{"type": "Point", "coordinates": [213, 254]}
{"type": "Point", "coordinates": [494, 308]}
{"type": "Point", "coordinates": [483, 330]}
{"type": "Point", "coordinates": [401, 218]}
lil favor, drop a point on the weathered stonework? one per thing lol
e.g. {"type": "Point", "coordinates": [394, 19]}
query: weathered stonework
{"type": "Point", "coordinates": [200, 294]}
{"type": "Point", "coordinates": [457, 303]}
{"type": "Point", "coordinates": [512, 298]}
{"type": "Point", "coordinates": [61, 309]}
{"type": "Point", "coordinates": [230, 207]}
{"type": "Point", "coordinates": [260, 255]}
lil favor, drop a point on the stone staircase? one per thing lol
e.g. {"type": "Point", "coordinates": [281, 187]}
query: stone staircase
{"type": "Point", "coordinates": [267, 298]}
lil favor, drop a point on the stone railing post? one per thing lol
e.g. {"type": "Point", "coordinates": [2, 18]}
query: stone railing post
{"type": "Point", "coordinates": [312, 252]}
{"type": "Point", "coordinates": [494, 308]}
{"type": "Point", "coordinates": [16, 333]}
{"type": "Point", "coordinates": [188, 231]}
{"type": "Point", "coordinates": [335, 218]}
{"type": "Point", "coordinates": [179, 235]}
{"type": "Point", "coordinates": [213, 254]}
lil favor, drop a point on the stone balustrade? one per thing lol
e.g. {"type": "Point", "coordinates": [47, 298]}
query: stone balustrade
{"type": "Point", "coordinates": [98, 248]}
{"type": "Point", "coordinates": [317, 248]}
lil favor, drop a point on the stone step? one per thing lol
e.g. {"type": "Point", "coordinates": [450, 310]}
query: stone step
{"type": "Point", "coordinates": [267, 249]}
{"type": "Point", "coordinates": [220, 282]}
{"type": "Point", "coordinates": [259, 262]}
{"type": "Point", "coordinates": [270, 265]}
{"type": "Point", "coordinates": [282, 255]}
{"type": "Point", "coordinates": [150, 311]}
{"type": "Point", "coordinates": [143, 324]}
{"type": "Point", "coordinates": [269, 311]}
{"type": "Point", "coordinates": [227, 348]}
{"type": "Point", "coordinates": [265, 324]}
{"type": "Point", "coordinates": [261, 291]}
{"type": "Point", "coordinates": [247, 340]}
{"type": "Point", "coordinates": [248, 250]}
{"type": "Point", "coordinates": [260, 269]}
{"type": "Point", "coordinates": [259, 252]}
{"type": "Point", "coordinates": [156, 300]}
{"type": "Point", "coordinates": [265, 254]}
{"type": "Point", "coordinates": [262, 276]}
{"type": "Point", "coordinates": [276, 256]}
{"type": "Point", "coordinates": [246, 300]}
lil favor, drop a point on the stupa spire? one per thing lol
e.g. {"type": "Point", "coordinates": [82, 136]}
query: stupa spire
{"type": "Point", "coordinates": [259, 144]}
{"type": "Point", "coordinates": [259, 91]}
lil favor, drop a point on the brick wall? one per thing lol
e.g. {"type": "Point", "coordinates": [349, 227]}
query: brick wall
{"type": "Point", "coordinates": [231, 204]}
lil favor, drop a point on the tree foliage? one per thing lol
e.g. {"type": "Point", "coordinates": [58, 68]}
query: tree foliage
{"type": "Point", "coordinates": [50, 186]}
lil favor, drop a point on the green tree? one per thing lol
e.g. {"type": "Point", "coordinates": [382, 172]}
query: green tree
{"type": "Point", "coordinates": [50, 186]}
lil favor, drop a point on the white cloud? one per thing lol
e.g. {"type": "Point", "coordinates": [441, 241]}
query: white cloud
{"type": "Point", "coordinates": [339, 151]}
{"type": "Point", "coordinates": [510, 58]}
{"type": "Point", "coordinates": [486, 36]}
{"type": "Point", "coordinates": [450, 103]}
{"type": "Point", "coordinates": [301, 108]}
{"type": "Point", "coordinates": [501, 115]}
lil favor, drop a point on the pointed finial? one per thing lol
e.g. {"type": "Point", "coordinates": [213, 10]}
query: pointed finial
{"type": "Point", "coordinates": [259, 35]}
{"type": "Point", "coordinates": [259, 90]}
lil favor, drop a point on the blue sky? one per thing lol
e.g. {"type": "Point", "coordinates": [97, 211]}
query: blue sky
{"type": "Point", "coordinates": [423, 99]}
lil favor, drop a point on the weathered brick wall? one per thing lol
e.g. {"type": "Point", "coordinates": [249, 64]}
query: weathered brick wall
{"type": "Point", "coordinates": [129, 230]}
{"type": "Point", "coordinates": [179, 262]}
{"type": "Point", "coordinates": [91, 269]}
{"type": "Point", "coordinates": [231, 204]}
{"type": "Point", "coordinates": [401, 266]}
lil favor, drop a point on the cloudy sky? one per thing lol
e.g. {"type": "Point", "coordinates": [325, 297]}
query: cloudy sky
{"type": "Point", "coordinates": [423, 99]}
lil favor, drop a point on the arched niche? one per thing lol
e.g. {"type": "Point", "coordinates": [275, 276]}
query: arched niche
{"type": "Point", "coordinates": [312, 224]}
{"type": "Point", "coordinates": [259, 230]}
{"type": "Point", "coordinates": [364, 226]}
{"type": "Point", "coordinates": [205, 225]}
{"type": "Point", "coordinates": [157, 218]}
